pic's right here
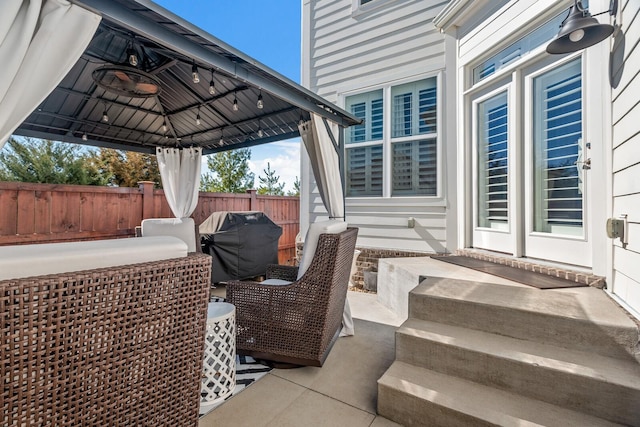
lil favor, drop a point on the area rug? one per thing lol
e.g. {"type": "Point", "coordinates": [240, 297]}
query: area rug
{"type": "Point", "coordinates": [530, 278]}
{"type": "Point", "coordinates": [248, 371]}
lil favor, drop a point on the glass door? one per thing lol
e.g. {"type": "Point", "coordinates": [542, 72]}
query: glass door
{"type": "Point", "coordinates": [557, 169]}
{"type": "Point", "coordinates": [492, 194]}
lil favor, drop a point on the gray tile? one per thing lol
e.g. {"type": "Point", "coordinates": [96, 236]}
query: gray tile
{"type": "Point", "coordinates": [317, 410]}
{"type": "Point", "coordinates": [256, 405]}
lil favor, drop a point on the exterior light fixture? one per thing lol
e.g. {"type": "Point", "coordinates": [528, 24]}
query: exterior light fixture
{"type": "Point", "coordinates": [212, 85]}
{"type": "Point", "coordinates": [580, 30]}
{"type": "Point", "coordinates": [194, 73]}
{"type": "Point", "coordinates": [235, 103]}
{"type": "Point", "coordinates": [260, 103]}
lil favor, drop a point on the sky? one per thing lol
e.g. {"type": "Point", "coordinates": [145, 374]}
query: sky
{"type": "Point", "coordinates": [268, 31]}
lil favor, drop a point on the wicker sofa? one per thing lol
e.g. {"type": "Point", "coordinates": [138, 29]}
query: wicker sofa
{"type": "Point", "coordinates": [296, 318]}
{"type": "Point", "coordinates": [118, 345]}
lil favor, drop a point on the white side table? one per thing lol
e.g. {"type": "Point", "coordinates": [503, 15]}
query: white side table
{"type": "Point", "coordinates": [219, 376]}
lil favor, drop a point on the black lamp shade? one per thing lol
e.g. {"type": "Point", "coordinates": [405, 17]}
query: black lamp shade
{"type": "Point", "coordinates": [580, 30]}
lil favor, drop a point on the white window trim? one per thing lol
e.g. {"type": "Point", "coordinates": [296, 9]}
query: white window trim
{"type": "Point", "coordinates": [386, 140]}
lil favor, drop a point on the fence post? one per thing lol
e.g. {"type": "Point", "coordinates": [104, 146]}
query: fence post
{"type": "Point", "coordinates": [253, 205]}
{"type": "Point", "coordinates": [147, 198]}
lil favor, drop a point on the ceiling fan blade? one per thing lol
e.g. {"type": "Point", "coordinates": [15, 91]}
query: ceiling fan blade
{"type": "Point", "coordinates": [122, 76]}
{"type": "Point", "coordinates": [147, 88]}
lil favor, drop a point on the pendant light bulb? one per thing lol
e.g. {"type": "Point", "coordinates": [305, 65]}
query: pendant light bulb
{"type": "Point", "coordinates": [198, 118]}
{"type": "Point", "coordinates": [105, 117]}
{"type": "Point", "coordinates": [212, 85]}
{"type": "Point", "coordinates": [194, 74]}
{"type": "Point", "coordinates": [260, 133]}
{"type": "Point", "coordinates": [132, 55]}
{"type": "Point", "coordinates": [164, 126]}
{"type": "Point", "coordinates": [84, 136]}
{"type": "Point", "coordinates": [260, 103]}
{"type": "Point", "coordinates": [235, 104]}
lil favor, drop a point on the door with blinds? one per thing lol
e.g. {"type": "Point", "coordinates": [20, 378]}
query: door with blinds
{"type": "Point", "coordinates": [493, 226]}
{"type": "Point", "coordinates": [557, 168]}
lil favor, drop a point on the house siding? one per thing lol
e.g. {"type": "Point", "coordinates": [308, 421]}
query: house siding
{"type": "Point", "coordinates": [346, 51]}
{"type": "Point", "coordinates": [625, 79]}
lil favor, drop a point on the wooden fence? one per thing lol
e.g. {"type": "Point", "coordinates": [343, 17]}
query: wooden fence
{"type": "Point", "coordinates": [41, 213]}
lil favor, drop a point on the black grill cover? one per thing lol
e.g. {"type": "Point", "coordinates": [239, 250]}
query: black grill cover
{"type": "Point", "coordinates": [243, 245]}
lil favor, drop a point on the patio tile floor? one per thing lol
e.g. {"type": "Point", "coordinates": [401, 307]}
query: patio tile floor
{"type": "Point", "coordinates": [341, 393]}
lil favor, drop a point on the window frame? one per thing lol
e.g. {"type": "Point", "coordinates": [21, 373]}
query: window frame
{"type": "Point", "coordinates": [387, 140]}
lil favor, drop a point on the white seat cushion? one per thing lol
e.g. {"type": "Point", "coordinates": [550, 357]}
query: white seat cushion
{"type": "Point", "coordinates": [332, 226]}
{"type": "Point", "coordinates": [53, 258]}
{"type": "Point", "coordinates": [275, 282]}
{"type": "Point", "coordinates": [182, 228]}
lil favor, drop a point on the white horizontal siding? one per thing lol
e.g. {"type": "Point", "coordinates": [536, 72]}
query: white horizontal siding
{"type": "Point", "coordinates": [347, 52]}
{"type": "Point", "coordinates": [626, 154]}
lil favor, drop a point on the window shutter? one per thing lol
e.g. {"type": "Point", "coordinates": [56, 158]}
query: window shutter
{"type": "Point", "coordinates": [415, 168]}
{"type": "Point", "coordinates": [364, 171]}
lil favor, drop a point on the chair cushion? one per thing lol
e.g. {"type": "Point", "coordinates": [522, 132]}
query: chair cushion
{"type": "Point", "coordinates": [332, 226]}
{"type": "Point", "coordinates": [53, 258]}
{"type": "Point", "coordinates": [275, 282]}
{"type": "Point", "coordinates": [182, 228]}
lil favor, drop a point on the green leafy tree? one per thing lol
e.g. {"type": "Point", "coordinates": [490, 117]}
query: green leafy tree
{"type": "Point", "coordinates": [296, 188]}
{"type": "Point", "coordinates": [269, 184]}
{"type": "Point", "coordinates": [228, 172]}
{"type": "Point", "coordinates": [45, 161]}
{"type": "Point", "coordinates": [127, 168]}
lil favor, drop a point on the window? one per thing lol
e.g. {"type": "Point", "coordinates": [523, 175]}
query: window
{"type": "Point", "coordinates": [410, 135]}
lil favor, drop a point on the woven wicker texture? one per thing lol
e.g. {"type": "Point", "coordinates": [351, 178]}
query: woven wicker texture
{"type": "Point", "coordinates": [105, 347]}
{"type": "Point", "coordinates": [296, 323]}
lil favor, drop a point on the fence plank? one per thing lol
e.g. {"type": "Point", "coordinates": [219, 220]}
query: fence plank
{"type": "Point", "coordinates": [39, 213]}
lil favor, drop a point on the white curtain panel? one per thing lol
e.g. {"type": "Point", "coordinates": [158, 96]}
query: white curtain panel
{"type": "Point", "coordinates": [40, 41]}
{"type": "Point", "coordinates": [180, 173]}
{"type": "Point", "coordinates": [325, 164]}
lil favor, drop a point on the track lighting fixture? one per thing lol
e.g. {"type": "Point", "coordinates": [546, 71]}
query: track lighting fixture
{"type": "Point", "coordinates": [235, 103]}
{"type": "Point", "coordinates": [260, 104]}
{"type": "Point", "coordinates": [194, 73]}
{"type": "Point", "coordinates": [212, 85]}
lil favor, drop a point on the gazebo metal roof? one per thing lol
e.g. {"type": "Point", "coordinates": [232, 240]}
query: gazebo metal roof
{"type": "Point", "coordinates": [168, 47]}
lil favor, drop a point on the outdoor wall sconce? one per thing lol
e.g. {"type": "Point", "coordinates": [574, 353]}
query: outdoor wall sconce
{"type": "Point", "coordinates": [580, 30]}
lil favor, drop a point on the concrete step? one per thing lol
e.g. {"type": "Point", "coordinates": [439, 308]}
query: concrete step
{"type": "Point", "coordinates": [584, 319]}
{"type": "Point", "coordinates": [604, 387]}
{"type": "Point", "coordinates": [414, 396]}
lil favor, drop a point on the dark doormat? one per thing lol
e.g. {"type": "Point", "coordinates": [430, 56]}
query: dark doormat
{"type": "Point", "coordinates": [537, 280]}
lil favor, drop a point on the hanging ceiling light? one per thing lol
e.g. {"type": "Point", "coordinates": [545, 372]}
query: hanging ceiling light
{"type": "Point", "coordinates": [212, 85]}
{"type": "Point", "coordinates": [221, 142]}
{"type": "Point", "coordinates": [235, 103]}
{"type": "Point", "coordinates": [198, 117]}
{"type": "Point", "coordinates": [85, 137]}
{"type": "Point", "coordinates": [580, 30]}
{"type": "Point", "coordinates": [260, 104]}
{"type": "Point", "coordinates": [194, 73]}
{"type": "Point", "coordinates": [105, 116]}
{"type": "Point", "coordinates": [164, 125]}
{"type": "Point", "coordinates": [132, 55]}
{"type": "Point", "coordinates": [260, 132]}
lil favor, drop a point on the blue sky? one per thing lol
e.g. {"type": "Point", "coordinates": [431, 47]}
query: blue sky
{"type": "Point", "coordinates": [268, 31]}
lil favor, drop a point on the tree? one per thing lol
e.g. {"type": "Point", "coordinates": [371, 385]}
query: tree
{"type": "Point", "coordinates": [127, 168]}
{"type": "Point", "coordinates": [296, 188]}
{"type": "Point", "coordinates": [229, 172]}
{"type": "Point", "coordinates": [45, 161]}
{"type": "Point", "coordinates": [269, 183]}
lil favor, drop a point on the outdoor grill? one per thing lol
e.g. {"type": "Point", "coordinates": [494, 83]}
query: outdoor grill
{"type": "Point", "coordinates": [240, 243]}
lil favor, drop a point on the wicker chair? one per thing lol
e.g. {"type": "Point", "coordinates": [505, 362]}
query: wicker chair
{"type": "Point", "coordinates": [296, 323]}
